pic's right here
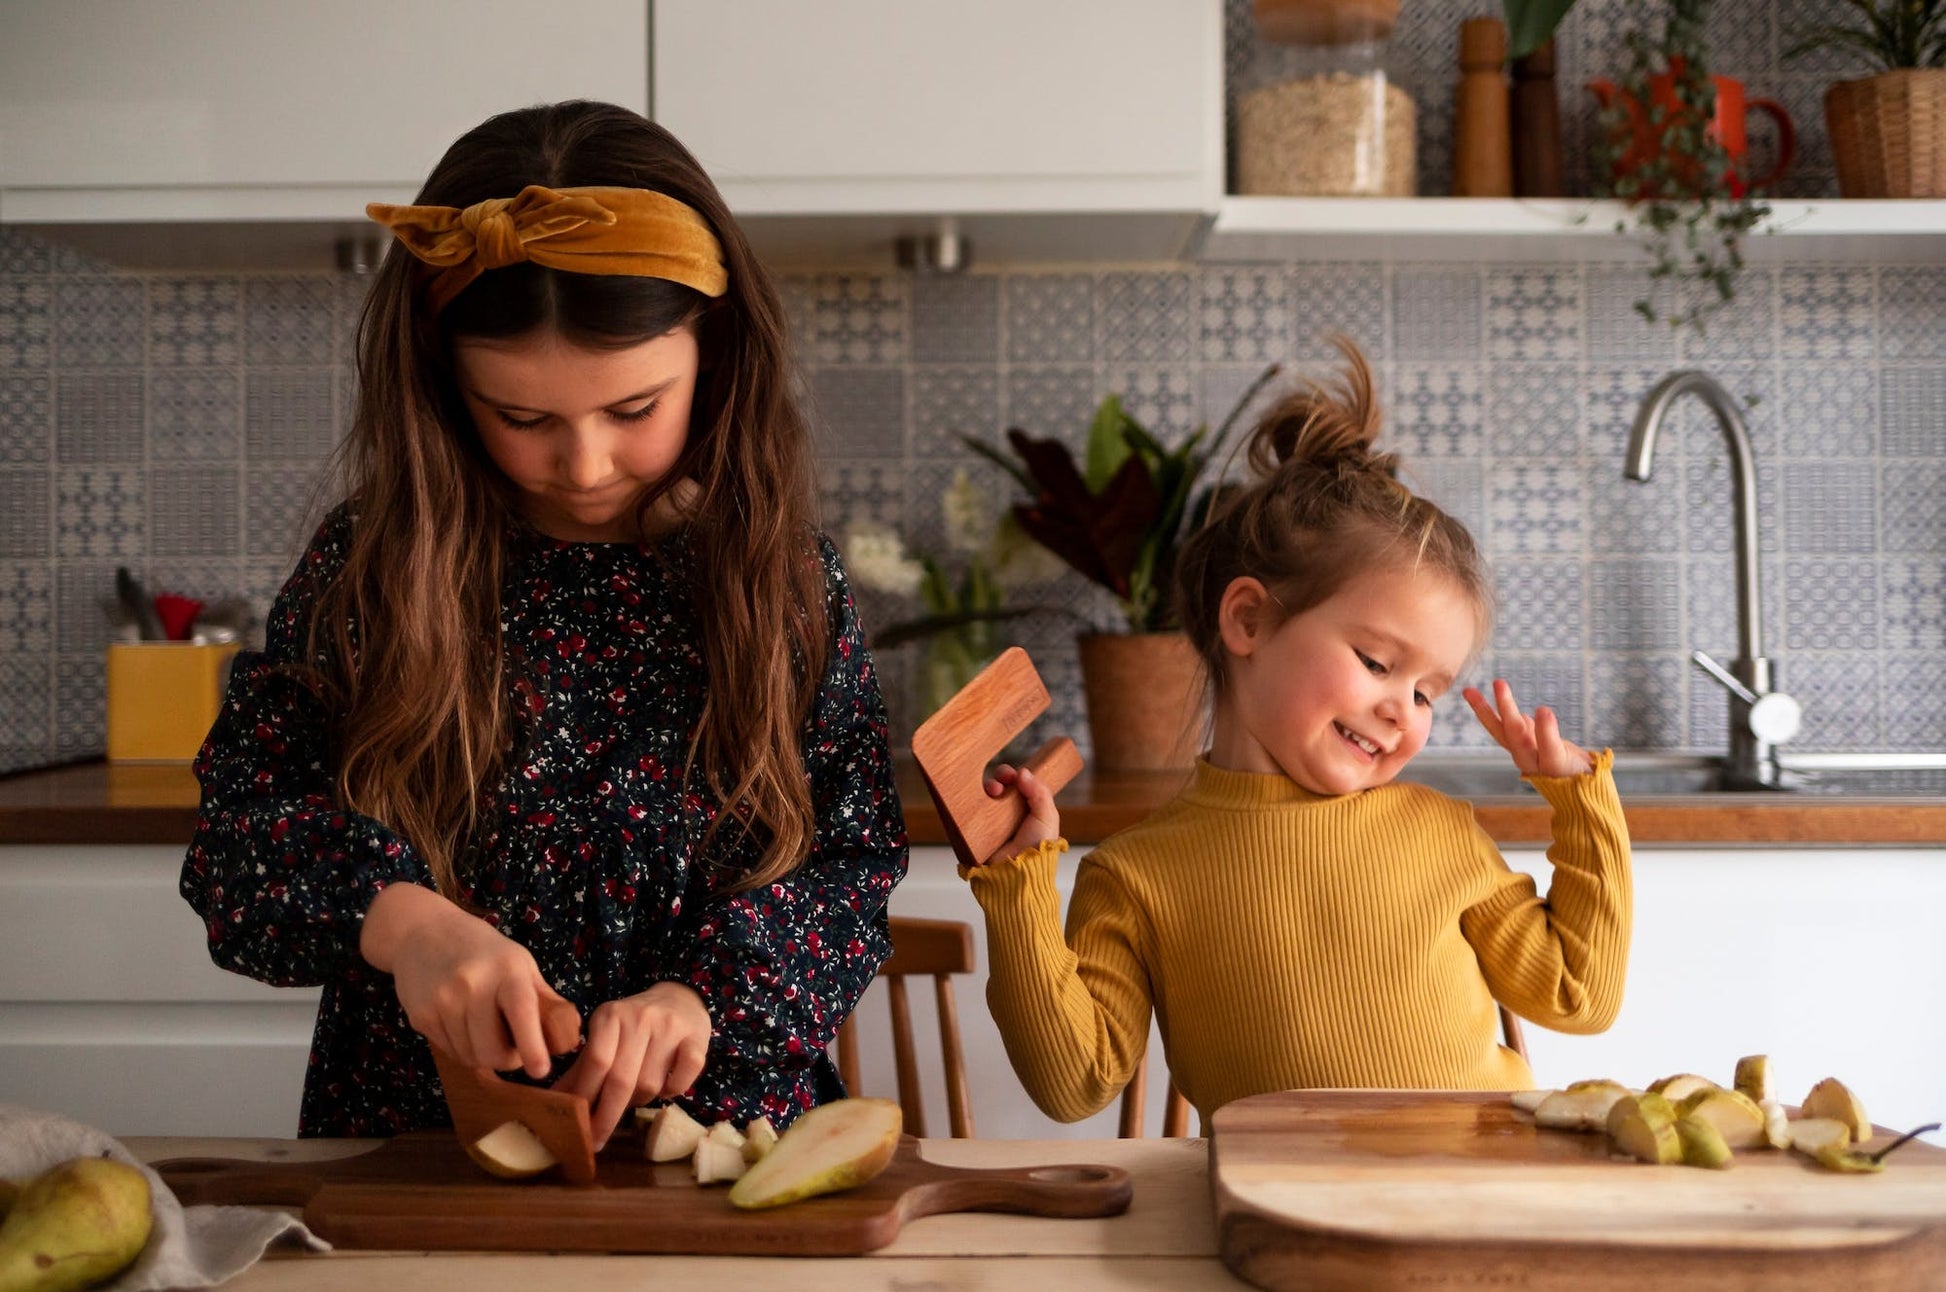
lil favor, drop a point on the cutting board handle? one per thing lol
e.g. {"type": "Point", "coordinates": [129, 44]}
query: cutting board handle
{"type": "Point", "coordinates": [1074, 1191]}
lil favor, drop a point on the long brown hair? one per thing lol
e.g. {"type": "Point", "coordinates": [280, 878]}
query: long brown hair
{"type": "Point", "coordinates": [1324, 508]}
{"type": "Point", "coordinates": [408, 633]}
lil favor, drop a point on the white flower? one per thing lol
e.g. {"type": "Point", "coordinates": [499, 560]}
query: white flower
{"type": "Point", "coordinates": [968, 514]}
{"type": "Point", "coordinates": [876, 557]}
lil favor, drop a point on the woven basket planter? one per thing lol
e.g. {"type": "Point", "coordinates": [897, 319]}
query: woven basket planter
{"type": "Point", "coordinates": [1888, 133]}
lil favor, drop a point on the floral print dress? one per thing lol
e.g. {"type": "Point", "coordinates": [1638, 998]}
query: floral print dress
{"type": "Point", "coordinates": [592, 858]}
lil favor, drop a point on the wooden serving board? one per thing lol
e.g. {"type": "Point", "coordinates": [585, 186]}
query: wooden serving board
{"type": "Point", "coordinates": [1363, 1189]}
{"type": "Point", "coordinates": [421, 1192]}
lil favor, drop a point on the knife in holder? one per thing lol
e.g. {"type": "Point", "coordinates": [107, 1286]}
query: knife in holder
{"type": "Point", "coordinates": [954, 746]}
{"type": "Point", "coordinates": [481, 1101]}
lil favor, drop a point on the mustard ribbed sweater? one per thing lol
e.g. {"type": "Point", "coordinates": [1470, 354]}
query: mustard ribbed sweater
{"type": "Point", "coordinates": [1287, 940]}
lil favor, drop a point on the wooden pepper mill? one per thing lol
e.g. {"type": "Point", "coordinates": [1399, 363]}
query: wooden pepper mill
{"type": "Point", "coordinates": [1537, 125]}
{"type": "Point", "coordinates": [1482, 132]}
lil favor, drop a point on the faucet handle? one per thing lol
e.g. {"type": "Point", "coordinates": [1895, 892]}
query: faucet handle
{"type": "Point", "coordinates": [1774, 717]}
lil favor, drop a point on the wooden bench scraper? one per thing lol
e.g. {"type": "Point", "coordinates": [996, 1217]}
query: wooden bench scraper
{"type": "Point", "coordinates": [480, 1101]}
{"type": "Point", "coordinates": [954, 746]}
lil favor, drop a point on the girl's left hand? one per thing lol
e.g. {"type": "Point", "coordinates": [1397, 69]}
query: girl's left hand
{"type": "Point", "coordinates": [1535, 743]}
{"type": "Point", "coordinates": [639, 1048]}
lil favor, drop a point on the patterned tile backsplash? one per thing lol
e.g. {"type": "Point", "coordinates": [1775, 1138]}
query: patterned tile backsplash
{"type": "Point", "coordinates": [180, 424]}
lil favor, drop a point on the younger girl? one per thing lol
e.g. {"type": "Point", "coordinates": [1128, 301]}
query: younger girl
{"type": "Point", "coordinates": [565, 739]}
{"type": "Point", "coordinates": [1296, 917]}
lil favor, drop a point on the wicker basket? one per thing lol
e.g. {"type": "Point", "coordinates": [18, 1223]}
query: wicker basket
{"type": "Point", "coordinates": [1888, 133]}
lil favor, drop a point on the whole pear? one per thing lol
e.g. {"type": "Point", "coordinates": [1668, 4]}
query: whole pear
{"type": "Point", "coordinates": [74, 1224]}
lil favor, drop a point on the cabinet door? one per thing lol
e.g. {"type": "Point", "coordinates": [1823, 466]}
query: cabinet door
{"type": "Point", "coordinates": [227, 93]}
{"type": "Point", "coordinates": [893, 105]}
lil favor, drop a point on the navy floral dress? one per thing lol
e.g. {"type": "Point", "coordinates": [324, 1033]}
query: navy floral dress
{"type": "Point", "coordinates": [593, 861]}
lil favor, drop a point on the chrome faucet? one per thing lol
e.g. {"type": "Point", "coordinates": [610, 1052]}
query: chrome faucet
{"type": "Point", "coordinates": [1760, 718]}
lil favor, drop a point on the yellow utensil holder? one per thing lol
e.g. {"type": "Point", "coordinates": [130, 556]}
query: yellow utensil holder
{"type": "Point", "coordinates": [163, 698]}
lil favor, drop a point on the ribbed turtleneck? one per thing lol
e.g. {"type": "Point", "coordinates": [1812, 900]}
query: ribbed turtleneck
{"type": "Point", "coordinates": [1286, 939]}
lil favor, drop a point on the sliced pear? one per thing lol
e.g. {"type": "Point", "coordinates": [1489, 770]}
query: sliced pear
{"type": "Point", "coordinates": [1681, 1086]}
{"type": "Point", "coordinates": [726, 1133]}
{"type": "Point", "coordinates": [717, 1161]}
{"type": "Point", "coordinates": [759, 1137]}
{"type": "Point", "coordinates": [1832, 1098]}
{"type": "Point", "coordinates": [1740, 1121]}
{"type": "Point", "coordinates": [1702, 1144]}
{"type": "Point", "coordinates": [1655, 1142]}
{"type": "Point", "coordinates": [1650, 1107]}
{"type": "Point", "coordinates": [1811, 1134]}
{"type": "Point", "coordinates": [1840, 1157]}
{"type": "Point", "coordinates": [834, 1146]}
{"type": "Point", "coordinates": [511, 1151]}
{"type": "Point", "coordinates": [1754, 1078]}
{"type": "Point", "coordinates": [1583, 1106]}
{"type": "Point", "coordinates": [673, 1135]}
{"type": "Point", "coordinates": [1528, 1100]}
{"type": "Point", "coordinates": [1777, 1126]}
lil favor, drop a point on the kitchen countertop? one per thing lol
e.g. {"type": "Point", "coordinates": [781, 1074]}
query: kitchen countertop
{"type": "Point", "coordinates": [155, 803]}
{"type": "Point", "coordinates": [1166, 1239]}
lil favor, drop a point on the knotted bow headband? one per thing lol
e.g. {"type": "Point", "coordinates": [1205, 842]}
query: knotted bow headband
{"type": "Point", "coordinates": [631, 231]}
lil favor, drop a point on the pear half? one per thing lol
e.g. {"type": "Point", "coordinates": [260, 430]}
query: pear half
{"type": "Point", "coordinates": [1833, 1098]}
{"type": "Point", "coordinates": [511, 1151]}
{"type": "Point", "coordinates": [1812, 1135]}
{"type": "Point", "coordinates": [839, 1145]}
{"type": "Point", "coordinates": [1740, 1121]}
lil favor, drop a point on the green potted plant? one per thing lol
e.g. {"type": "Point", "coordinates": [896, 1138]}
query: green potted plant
{"type": "Point", "coordinates": [1888, 130]}
{"type": "Point", "coordinates": [1118, 518]}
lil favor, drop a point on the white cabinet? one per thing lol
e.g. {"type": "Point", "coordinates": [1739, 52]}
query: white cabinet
{"type": "Point", "coordinates": [276, 109]}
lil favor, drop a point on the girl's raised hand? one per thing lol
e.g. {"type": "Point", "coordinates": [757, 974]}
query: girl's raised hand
{"type": "Point", "coordinates": [1535, 743]}
{"type": "Point", "coordinates": [1043, 820]}
{"type": "Point", "coordinates": [642, 1047]}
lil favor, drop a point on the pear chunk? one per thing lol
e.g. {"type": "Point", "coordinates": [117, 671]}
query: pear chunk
{"type": "Point", "coordinates": [1777, 1126]}
{"type": "Point", "coordinates": [1702, 1144]}
{"type": "Point", "coordinates": [1840, 1157]}
{"type": "Point", "coordinates": [1529, 1100]}
{"type": "Point", "coordinates": [1754, 1078]}
{"type": "Point", "coordinates": [1832, 1098]}
{"type": "Point", "coordinates": [834, 1146]}
{"type": "Point", "coordinates": [717, 1161]}
{"type": "Point", "coordinates": [1680, 1087]}
{"type": "Point", "coordinates": [673, 1135]}
{"type": "Point", "coordinates": [759, 1137]}
{"type": "Point", "coordinates": [511, 1151]}
{"type": "Point", "coordinates": [1582, 1106]}
{"type": "Point", "coordinates": [1655, 1142]}
{"type": "Point", "coordinates": [1809, 1135]}
{"type": "Point", "coordinates": [1650, 1107]}
{"type": "Point", "coordinates": [1739, 1120]}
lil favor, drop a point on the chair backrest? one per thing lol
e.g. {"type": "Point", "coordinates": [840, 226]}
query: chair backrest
{"type": "Point", "coordinates": [1175, 1110]}
{"type": "Point", "coordinates": [936, 949]}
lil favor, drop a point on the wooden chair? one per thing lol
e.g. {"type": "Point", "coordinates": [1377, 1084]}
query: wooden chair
{"type": "Point", "coordinates": [1175, 1112]}
{"type": "Point", "coordinates": [930, 948]}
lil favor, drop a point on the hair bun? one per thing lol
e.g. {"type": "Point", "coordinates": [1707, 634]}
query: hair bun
{"type": "Point", "coordinates": [1325, 425]}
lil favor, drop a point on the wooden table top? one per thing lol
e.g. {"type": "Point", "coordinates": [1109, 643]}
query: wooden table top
{"type": "Point", "coordinates": [134, 803]}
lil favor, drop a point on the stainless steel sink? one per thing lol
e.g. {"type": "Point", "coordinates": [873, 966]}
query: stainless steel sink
{"type": "Point", "coordinates": [1647, 774]}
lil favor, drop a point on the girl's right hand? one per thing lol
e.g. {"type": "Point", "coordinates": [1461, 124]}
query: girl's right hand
{"type": "Point", "coordinates": [465, 986]}
{"type": "Point", "coordinates": [1043, 820]}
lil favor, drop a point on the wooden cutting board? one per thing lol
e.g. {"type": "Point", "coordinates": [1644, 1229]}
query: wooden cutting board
{"type": "Point", "coordinates": [421, 1192]}
{"type": "Point", "coordinates": [1361, 1189]}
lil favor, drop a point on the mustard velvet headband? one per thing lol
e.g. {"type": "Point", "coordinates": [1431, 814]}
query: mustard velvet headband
{"type": "Point", "coordinates": [630, 231]}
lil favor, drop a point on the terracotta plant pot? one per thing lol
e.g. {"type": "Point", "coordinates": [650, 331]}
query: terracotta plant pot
{"type": "Point", "coordinates": [1145, 700]}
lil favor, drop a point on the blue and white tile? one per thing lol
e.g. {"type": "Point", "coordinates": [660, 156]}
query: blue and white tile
{"type": "Point", "coordinates": [926, 483]}
{"type": "Point", "coordinates": [1050, 318]}
{"type": "Point", "coordinates": [1691, 431]}
{"type": "Point", "coordinates": [193, 511]}
{"type": "Point", "coordinates": [26, 607]}
{"type": "Point", "coordinates": [1534, 507]}
{"type": "Point", "coordinates": [1912, 507]}
{"type": "Point", "coordinates": [1742, 330]}
{"type": "Point", "coordinates": [1814, 171]}
{"type": "Point", "coordinates": [1914, 592]}
{"type": "Point", "coordinates": [195, 322]}
{"type": "Point", "coordinates": [289, 413]}
{"type": "Point", "coordinates": [1535, 410]}
{"type": "Point", "coordinates": [1437, 312]}
{"type": "Point", "coordinates": [290, 321]}
{"type": "Point", "coordinates": [1636, 702]}
{"type": "Point", "coordinates": [99, 511]}
{"type": "Point", "coordinates": [1146, 317]}
{"type": "Point", "coordinates": [1457, 486]}
{"type": "Point", "coordinates": [1630, 516]}
{"type": "Point", "coordinates": [282, 507]}
{"type": "Point", "coordinates": [26, 322]}
{"type": "Point", "coordinates": [1832, 507]}
{"type": "Point", "coordinates": [26, 711]}
{"type": "Point", "coordinates": [99, 417]}
{"type": "Point", "coordinates": [1616, 329]}
{"type": "Point", "coordinates": [1741, 39]}
{"type": "Point", "coordinates": [1614, 394]}
{"type": "Point", "coordinates": [1913, 707]}
{"type": "Point", "coordinates": [1833, 604]}
{"type": "Point", "coordinates": [859, 318]}
{"type": "Point", "coordinates": [955, 318]}
{"type": "Point", "coordinates": [194, 414]}
{"type": "Point", "coordinates": [1912, 312]}
{"type": "Point", "coordinates": [85, 606]}
{"type": "Point", "coordinates": [1711, 592]}
{"type": "Point", "coordinates": [950, 400]}
{"type": "Point", "coordinates": [1707, 515]}
{"type": "Point", "coordinates": [23, 253]}
{"type": "Point", "coordinates": [1244, 314]}
{"type": "Point", "coordinates": [1438, 410]}
{"type": "Point", "coordinates": [857, 491]}
{"type": "Point", "coordinates": [1553, 678]}
{"type": "Point", "coordinates": [1162, 399]}
{"type": "Point", "coordinates": [859, 411]}
{"type": "Point", "coordinates": [1914, 404]}
{"type": "Point", "coordinates": [207, 579]}
{"type": "Point", "coordinates": [1541, 605]}
{"type": "Point", "coordinates": [98, 323]}
{"type": "Point", "coordinates": [1826, 312]}
{"type": "Point", "coordinates": [1636, 605]}
{"type": "Point", "coordinates": [1828, 410]}
{"type": "Point", "coordinates": [24, 511]}
{"type": "Point", "coordinates": [1534, 312]}
{"type": "Point", "coordinates": [1222, 386]}
{"type": "Point", "coordinates": [80, 706]}
{"type": "Point", "coordinates": [1453, 723]}
{"type": "Point", "coordinates": [1052, 403]}
{"type": "Point", "coordinates": [1328, 299]}
{"type": "Point", "coordinates": [1840, 699]}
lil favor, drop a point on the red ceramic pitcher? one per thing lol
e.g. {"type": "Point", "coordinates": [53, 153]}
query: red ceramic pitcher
{"type": "Point", "coordinates": [1727, 127]}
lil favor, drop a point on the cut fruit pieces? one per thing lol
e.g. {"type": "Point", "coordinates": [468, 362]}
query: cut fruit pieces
{"type": "Point", "coordinates": [1832, 1098]}
{"type": "Point", "coordinates": [511, 1151]}
{"type": "Point", "coordinates": [1654, 1142]}
{"type": "Point", "coordinates": [717, 1161]}
{"type": "Point", "coordinates": [1681, 1086]}
{"type": "Point", "coordinates": [1702, 1144]}
{"type": "Point", "coordinates": [1740, 1121]}
{"type": "Point", "coordinates": [1839, 1157]}
{"type": "Point", "coordinates": [759, 1137]}
{"type": "Point", "coordinates": [1529, 1100]}
{"type": "Point", "coordinates": [1651, 1108]}
{"type": "Point", "coordinates": [1809, 1135]}
{"type": "Point", "coordinates": [1777, 1126]}
{"type": "Point", "coordinates": [834, 1146]}
{"type": "Point", "coordinates": [1754, 1078]}
{"type": "Point", "coordinates": [1583, 1106]}
{"type": "Point", "coordinates": [673, 1135]}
